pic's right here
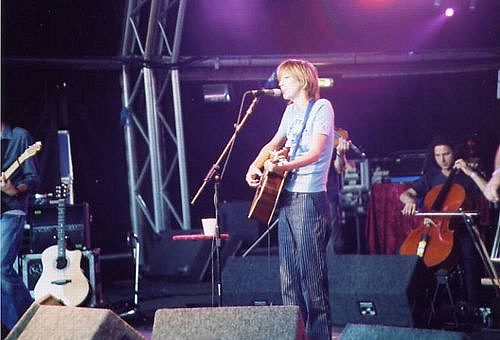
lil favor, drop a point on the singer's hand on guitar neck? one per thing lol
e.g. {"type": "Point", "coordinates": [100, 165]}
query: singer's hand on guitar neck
{"type": "Point", "coordinates": [278, 168]}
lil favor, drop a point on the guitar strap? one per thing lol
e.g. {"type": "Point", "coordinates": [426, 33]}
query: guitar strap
{"type": "Point", "coordinates": [299, 135]}
{"type": "Point", "coordinates": [5, 146]}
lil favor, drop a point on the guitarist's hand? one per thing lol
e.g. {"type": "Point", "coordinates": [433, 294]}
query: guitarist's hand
{"type": "Point", "coordinates": [253, 176]}
{"type": "Point", "coordinates": [275, 167]}
{"type": "Point", "coordinates": [7, 187]}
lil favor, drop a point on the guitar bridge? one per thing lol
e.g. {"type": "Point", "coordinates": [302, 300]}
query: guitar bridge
{"type": "Point", "coordinates": [60, 282]}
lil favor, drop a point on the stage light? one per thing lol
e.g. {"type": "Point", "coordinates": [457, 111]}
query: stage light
{"type": "Point", "coordinates": [437, 3]}
{"type": "Point", "coordinates": [213, 93]}
{"type": "Point", "coordinates": [325, 82]}
{"type": "Point", "coordinates": [472, 4]}
{"type": "Point", "coordinates": [449, 12]}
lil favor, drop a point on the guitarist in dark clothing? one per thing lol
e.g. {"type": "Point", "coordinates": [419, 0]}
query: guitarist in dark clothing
{"type": "Point", "coordinates": [15, 195]}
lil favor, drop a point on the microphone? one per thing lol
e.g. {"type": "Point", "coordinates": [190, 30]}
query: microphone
{"type": "Point", "coordinates": [356, 149]}
{"type": "Point", "coordinates": [266, 92]}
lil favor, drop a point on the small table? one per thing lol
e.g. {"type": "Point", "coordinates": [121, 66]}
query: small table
{"type": "Point", "coordinates": [198, 237]}
{"type": "Point", "coordinates": [202, 237]}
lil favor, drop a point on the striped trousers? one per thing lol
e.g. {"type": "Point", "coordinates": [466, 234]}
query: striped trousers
{"type": "Point", "coordinates": [303, 232]}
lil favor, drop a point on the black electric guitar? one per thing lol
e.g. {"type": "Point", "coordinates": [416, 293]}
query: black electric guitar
{"type": "Point", "coordinates": [268, 192]}
{"type": "Point", "coordinates": [62, 276]}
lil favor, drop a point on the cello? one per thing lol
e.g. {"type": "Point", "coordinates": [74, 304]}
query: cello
{"type": "Point", "coordinates": [434, 242]}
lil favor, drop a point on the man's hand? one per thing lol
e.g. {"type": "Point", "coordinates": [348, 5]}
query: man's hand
{"type": "Point", "coordinates": [462, 165]}
{"type": "Point", "coordinates": [253, 176]}
{"type": "Point", "coordinates": [342, 146]}
{"type": "Point", "coordinates": [410, 208]}
{"type": "Point", "coordinates": [7, 187]}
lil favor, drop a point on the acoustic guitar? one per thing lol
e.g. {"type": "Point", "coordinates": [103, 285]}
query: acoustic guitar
{"type": "Point", "coordinates": [62, 276]}
{"type": "Point", "coordinates": [30, 151]}
{"type": "Point", "coordinates": [268, 192]}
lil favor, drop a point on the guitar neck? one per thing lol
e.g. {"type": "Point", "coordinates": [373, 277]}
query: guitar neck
{"type": "Point", "coordinates": [29, 152]}
{"type": "Point", "coordinates": [61, 234]}
{"type": "Point", "coordinates": [11, 169]}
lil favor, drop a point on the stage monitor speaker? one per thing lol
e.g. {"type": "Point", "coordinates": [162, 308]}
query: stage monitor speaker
{"type": "Point", "coordinates": [59, 322]}
{"type": "Point", "coordinates": [234, 220]}
{"type": "Point", "coordinates": [378, 332]}
{"type": "Point", "coordinates": [376, 289]}
{"type": "Point", "coordinates": [251, 281]}
{"type": "Point", "coordinates": [228, 323]}
{"type": "Point", "coordinates": [179, 261]}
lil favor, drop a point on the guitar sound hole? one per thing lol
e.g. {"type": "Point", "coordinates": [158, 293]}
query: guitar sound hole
{"type": "Point", "coordinates": [61, 263]}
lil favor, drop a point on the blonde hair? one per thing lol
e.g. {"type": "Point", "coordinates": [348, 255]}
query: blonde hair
{"type": "Point", "coordinates": [305, 72]}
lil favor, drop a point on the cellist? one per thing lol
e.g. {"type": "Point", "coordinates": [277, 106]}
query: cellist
{"type": "Point", "coordinates": [442, 158]}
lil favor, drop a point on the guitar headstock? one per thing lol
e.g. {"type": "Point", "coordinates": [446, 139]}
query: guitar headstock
{"type": "Point", "coordinates": [31, 151]}
{"type": "Point", "coordinates": [61, 192]}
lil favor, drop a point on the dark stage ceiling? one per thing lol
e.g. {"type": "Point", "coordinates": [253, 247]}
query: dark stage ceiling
{"type": "Point", "coordinates": [68, 28]}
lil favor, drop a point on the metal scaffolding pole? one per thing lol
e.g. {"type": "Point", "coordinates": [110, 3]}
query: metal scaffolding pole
{"type": "Point", "coordinates": [176, 94]}
{"type": "Point", "coordinates": [149, 143]}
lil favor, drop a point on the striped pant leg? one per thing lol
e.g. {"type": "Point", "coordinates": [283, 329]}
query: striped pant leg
{"type": "Point", "coordinates": [303, 234]}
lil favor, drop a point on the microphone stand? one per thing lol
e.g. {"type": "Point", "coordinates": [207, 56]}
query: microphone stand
{"type": "Point", "coordinates": [213, 175]}
{"type": "Point", "coordinates": [133, 241]}
{"type": "Point", "coordinates": [476, 240]}
{"type": "Point", "coordinates": [245, 254]}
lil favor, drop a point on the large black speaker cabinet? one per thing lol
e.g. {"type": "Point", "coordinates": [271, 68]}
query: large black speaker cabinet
{"type": "Point", "coordinates": [235, 221]}
{"type": "Point", "coordinates": [228, 323]}
{"type": "Point", "coordinates": [59, 322]}
{"type": "Point", "coordinates": [378, 332]}
{"type": "Point", "coordinates": [376, 289]}
{"type": "Point", "coordinates": [251, 281]}
{"type": "Point", "coordinates": [183, 261]}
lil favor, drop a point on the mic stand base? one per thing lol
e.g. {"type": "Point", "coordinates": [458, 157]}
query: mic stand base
{"type": "Point", "coordinates": [130, 313]}
{"type": "Point", "coordinates": [218, 246]}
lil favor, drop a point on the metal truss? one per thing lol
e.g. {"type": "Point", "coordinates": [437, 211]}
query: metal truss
{"type": "Point", "coordinates": [151, 38]}
{"type": "Point", "coordinates": [257, 67]}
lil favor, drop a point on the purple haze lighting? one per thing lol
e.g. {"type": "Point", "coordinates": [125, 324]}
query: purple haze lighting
{"type": "Point", "coordinates": [449, 12]}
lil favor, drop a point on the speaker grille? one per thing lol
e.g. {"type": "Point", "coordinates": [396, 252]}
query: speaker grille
{"type": "Point", "coordinates": [375, 332]}
{"type": "Point", "coordinates": [276, 322]}
{"type": "Point", "coordinates": [251, 280]}
{"type": "Point", "coordinates": [58, 322]}
{"type": "Point", "coordinates": [375, 289]}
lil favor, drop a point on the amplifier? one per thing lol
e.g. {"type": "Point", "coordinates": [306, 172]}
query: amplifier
{"type": "Point", "coordinates": [408, 163]}
{"type": "Point", "coordinates": [356, 177]}
{"type": "Point", "coordinates": [42, 230]}
{"type": "Point", "coordinates": [30, 267]}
